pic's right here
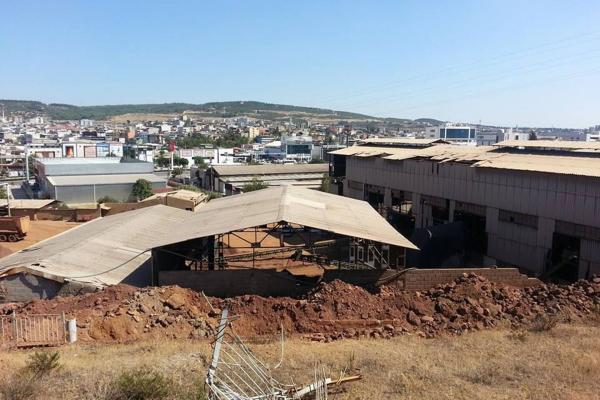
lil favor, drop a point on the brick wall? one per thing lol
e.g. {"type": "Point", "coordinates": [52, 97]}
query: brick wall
{"type": "Point", "coordinates": [423, 279]}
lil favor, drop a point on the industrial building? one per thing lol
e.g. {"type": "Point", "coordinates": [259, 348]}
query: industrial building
{"type": "Point", "coordinates": [530, 204]}
{"type": "Point", "coordinates": [166, 245]}
{"type": "Point", "coordinates": [230, 179]}
{"type": "Point", "coordinates": [85, 180]}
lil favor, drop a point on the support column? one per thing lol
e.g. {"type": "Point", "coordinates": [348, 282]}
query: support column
{"type": "Point", "coordinates": [451, 208]}
{"type": "Point", "coordinates": [417, 210]}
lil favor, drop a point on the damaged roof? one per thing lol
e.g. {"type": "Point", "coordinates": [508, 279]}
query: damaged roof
{"type": "Point", "coordinates": [107, 250]}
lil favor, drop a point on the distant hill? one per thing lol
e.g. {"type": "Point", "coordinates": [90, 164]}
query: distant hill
{"type": "Point", "coordinates": [218, 109]}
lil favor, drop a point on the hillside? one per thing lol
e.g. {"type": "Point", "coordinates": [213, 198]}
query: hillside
{"type": "Point", "coordinates": [224, 109]}
{"type": "Point", "coordinates": [218, 109]}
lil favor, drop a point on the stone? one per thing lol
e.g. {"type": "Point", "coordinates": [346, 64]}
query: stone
{"type": "Point", "coordinates": [413, 319]}
{"type": "Point", "coordinates": [175, 301]}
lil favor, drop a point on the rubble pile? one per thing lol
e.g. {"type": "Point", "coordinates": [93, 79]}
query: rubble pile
{"type": "Point", "coordinates": [331, 311]}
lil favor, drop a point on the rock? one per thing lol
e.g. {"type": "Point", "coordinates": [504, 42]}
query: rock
{"type": "Point", "coordinates": [413, 319]}
{"type": "Point", "coordinates": [427, 319]}
{"type": "Point", "coordinates": [175, 301]}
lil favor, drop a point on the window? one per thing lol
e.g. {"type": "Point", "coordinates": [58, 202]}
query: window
{"type": "Point", "coordinates": [370, 254]}
{"type": "Point", "coordinates": [352, 252]}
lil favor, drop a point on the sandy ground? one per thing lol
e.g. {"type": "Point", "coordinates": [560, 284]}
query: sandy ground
{"type": "Point", "coordinates": [38, 231]}
{"type": "Point", "coordinates": [560, 364]}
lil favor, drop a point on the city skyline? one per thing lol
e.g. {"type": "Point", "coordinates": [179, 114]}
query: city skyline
{"type": "Point", "coordinates": [501, 63]}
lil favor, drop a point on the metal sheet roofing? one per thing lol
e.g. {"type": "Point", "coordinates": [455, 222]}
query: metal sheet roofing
{"type": "Point", "coordinates": [269, 169]}
{"type": "Point", "coordinates": [575, 163]}
{"type": "Point", "coordinates": [403, 141]}
{"type": "Point", "coordinates": [113, 179]}
{"type": "Point", "coordinates": [101, 252]}
{"type": "Point", "coordinates": [107, 250]}
{"type": "Point", "coordinates": [302, 206]}
{"type": "Point", "coordinates": [550, 144]}
{"type": "Point", "coordinates": [582, 166]}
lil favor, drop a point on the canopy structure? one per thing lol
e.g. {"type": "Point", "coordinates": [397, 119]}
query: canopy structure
{"type": "Point", "coordinates": [107, 250]}
{"type": "Point", "coordinates": [329, 212]}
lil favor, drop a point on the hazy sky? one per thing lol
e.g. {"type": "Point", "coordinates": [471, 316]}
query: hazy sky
{"type": "Point", "coordinates": [499, 62]}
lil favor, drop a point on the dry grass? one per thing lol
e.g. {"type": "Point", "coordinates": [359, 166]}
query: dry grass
{"type": "Point", "coordinates": [563, 363]}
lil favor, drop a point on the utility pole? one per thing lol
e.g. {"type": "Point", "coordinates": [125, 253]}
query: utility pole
{"type": "Point", "coordinates": [7, 197]}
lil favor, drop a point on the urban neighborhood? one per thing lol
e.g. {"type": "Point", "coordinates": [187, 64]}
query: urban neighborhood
{"type": "Point", "coordinates": [244, 249]}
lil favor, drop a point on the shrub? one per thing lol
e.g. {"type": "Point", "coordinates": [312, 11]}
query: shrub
{"type": "Point", "coordinates": [42, 363]}
{"type": "Point", "coordinates": [107, 199]}
{"type": "Point", "coordinates": [543, 323]}
{"type": "Point", "coordinates": [140, 384]}
{"type": "Point", "coordinates": [19, 388]}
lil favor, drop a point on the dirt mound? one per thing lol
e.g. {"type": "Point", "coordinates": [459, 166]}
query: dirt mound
{"type": "Point", "coordinates": [331, 311]}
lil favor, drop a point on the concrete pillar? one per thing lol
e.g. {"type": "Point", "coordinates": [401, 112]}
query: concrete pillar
{"type": "Point", "coordinates": [451, 208]}
{"type": "Point", "coordinates": [387, 197]}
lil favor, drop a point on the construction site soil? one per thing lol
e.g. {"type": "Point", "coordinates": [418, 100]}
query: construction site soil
{"type": "Point", "coordinates": [331, 311]}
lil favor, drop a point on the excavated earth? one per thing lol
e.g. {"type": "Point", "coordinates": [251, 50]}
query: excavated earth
{"type": "Point", "coordinates": [331, 311]}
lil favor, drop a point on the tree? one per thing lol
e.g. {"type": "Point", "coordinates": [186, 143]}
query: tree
{"type": "Point", "coordinates": [141, 189]}
{"type": "Point", "coordinates": [182, 162]}
{"type": "Point", "coordinates": [2, 192]}
{"type": "Point", "coordinates": [199, 162]}
{"type": "Point", "coordinates": [255, 184]}
{"type": "Point", "coordinates": [163, 162]}
{"type": "Point", "coordinates": [177, 171]}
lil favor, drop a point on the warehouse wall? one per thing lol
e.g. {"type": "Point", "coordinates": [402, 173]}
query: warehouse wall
{"type": "Point", "coordinates": [549, 197]}
{"type": "Point", "coordinates": [84, 194]}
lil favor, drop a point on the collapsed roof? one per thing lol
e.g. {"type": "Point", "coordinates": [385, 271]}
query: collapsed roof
{"type": "Point", "coordinates": [107, 250]}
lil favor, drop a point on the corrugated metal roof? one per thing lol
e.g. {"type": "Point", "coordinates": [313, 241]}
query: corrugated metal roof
{"type": "Point", "coordinates": [582, 166]}
{"type": "Point", "coordinates": [103, 251]}
{"type": "Point", "coordinates": [302, 206]}
{"type": "Point", "coordinates": [269, 169]}
{"type": "Point", "coordinates": [550, 144]}
{"type": "Point", "coordinates": [106, 250]}
{"type": "Point", "coordinates": [403, 141]}
{"type": "Point", "coordinates": [113, 179]}
{"type": "Point", "coordinates": [577, 163]}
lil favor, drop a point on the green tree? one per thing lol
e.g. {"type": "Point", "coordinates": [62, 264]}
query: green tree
{"type": "Point", "coordinates": [141, 189]}
{"type": "Point", "coordinates": [2, 192]}
{"type": "Point", "coordinates": [182, 162]}
{"type": "Point", "coordinates": [199, 162]}
{"type": "Point", "coordinates": [255, 184]}
{"type": "Point", "coordinates": [163, 162]}
{"type": "Point", "coordinates": [177, 171]}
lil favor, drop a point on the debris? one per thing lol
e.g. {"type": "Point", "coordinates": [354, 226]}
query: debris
{"type": "Point", "coordinates": [331, 311]}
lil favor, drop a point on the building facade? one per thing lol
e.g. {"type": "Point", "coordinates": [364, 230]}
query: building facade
{"type": "Point", "coordinates": [537, 208]}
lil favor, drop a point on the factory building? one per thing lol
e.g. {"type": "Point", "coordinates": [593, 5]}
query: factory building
{"type": "Point", "coordinates": [534, 204]}
{"type": "Point", "coordinates": [85, 180]}
{"type": "Point", "coordinates": [230, 179]}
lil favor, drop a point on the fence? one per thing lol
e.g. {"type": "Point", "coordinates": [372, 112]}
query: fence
{"type": "Point", "coordinates": [32, 330]}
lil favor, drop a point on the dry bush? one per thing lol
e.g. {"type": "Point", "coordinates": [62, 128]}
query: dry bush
{"type": "Point", "coordinates": [19, 388]}
{"type": "Point", "coordinates": [518, 335]}
{"type": "Point", "coordinates": [148, 384]}
{"type": "Point", "coordinates": [140, 384]}
{"type": "Point", "coordinates": [544, 323]}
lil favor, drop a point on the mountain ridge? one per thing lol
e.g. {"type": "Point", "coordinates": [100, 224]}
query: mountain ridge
{"type": "Point", "coordinates": [60, 111]}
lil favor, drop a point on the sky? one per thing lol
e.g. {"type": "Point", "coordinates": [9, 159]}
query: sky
{"type": "Point", "coordinates": [499, 62]}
